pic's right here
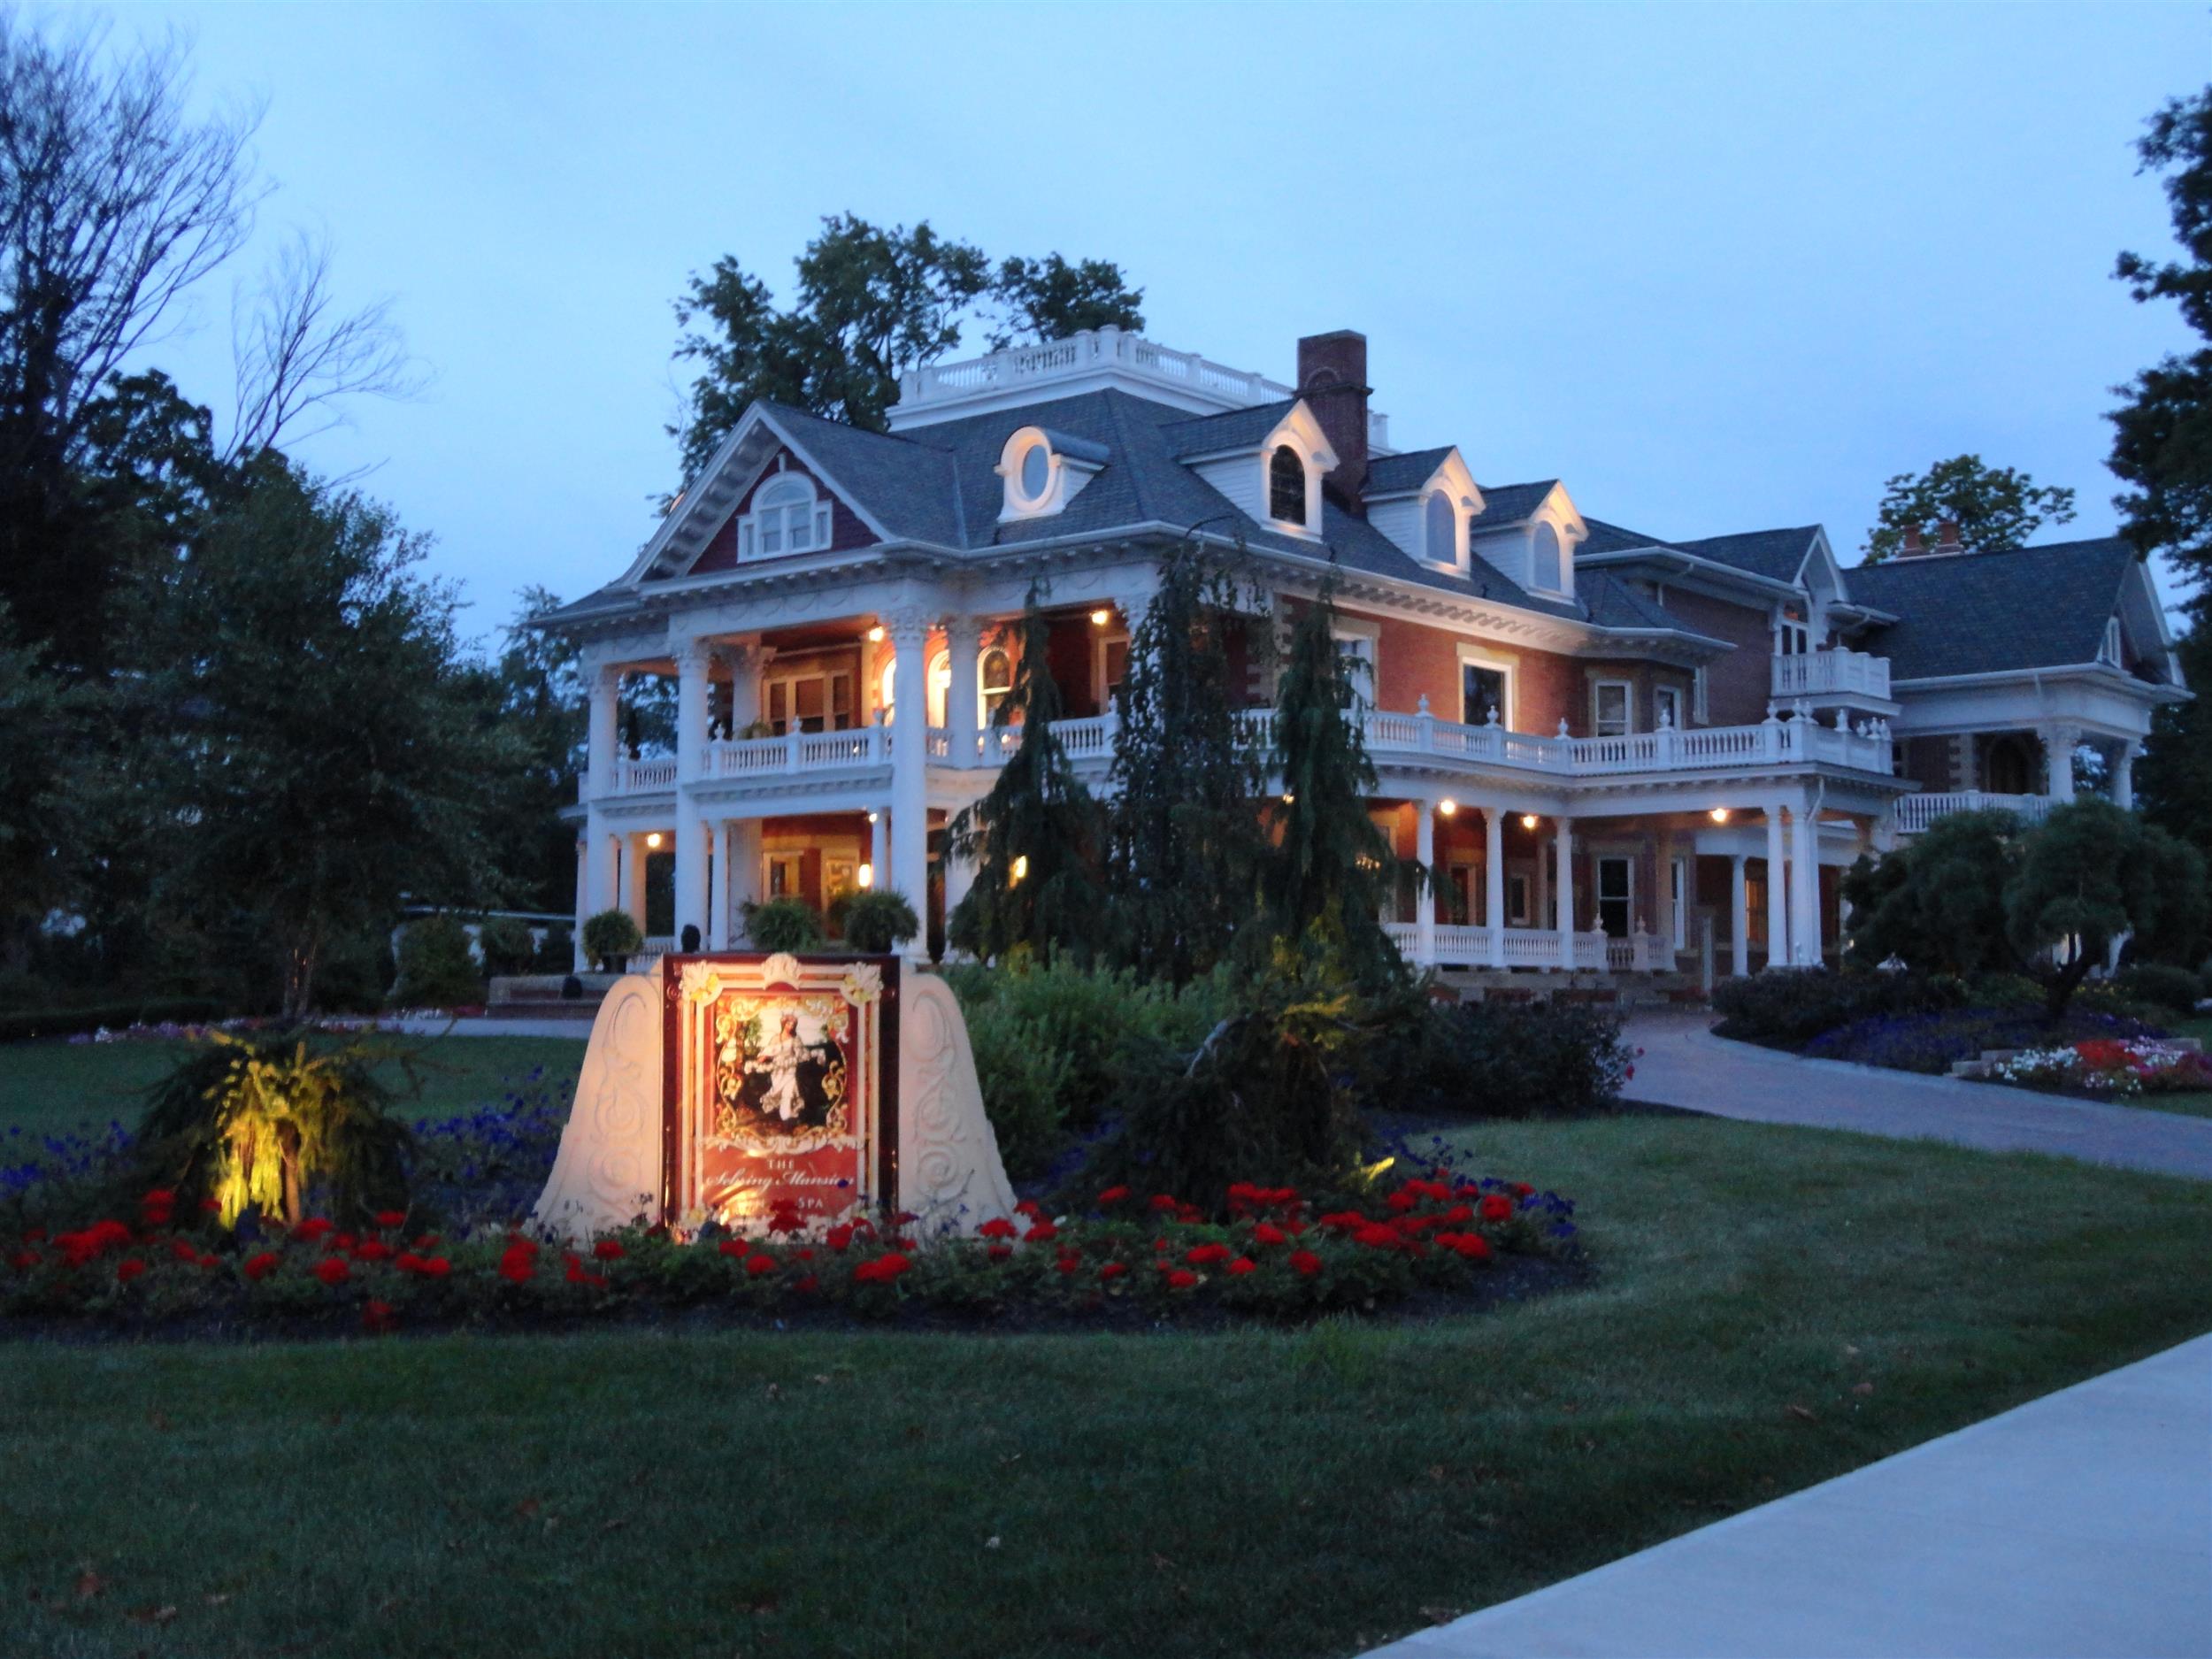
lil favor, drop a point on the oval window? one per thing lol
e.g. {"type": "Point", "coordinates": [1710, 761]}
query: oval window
{"type": "Point", "coordinates": [1036, 471]}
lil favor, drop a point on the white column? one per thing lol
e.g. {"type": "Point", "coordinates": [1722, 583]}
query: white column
{"type": "Point", "coordinates": [2124, 774]}
{"type": "Point", "coordinates": [718, 929]}
{"type": "Point", "coordinates": [963, 646]}
{"type": "Point", "coordinates": [1777, 890]}
{"type": "Point", "coordinates": [599, 757]}
{"type": "Point", "coordinates": [584, 845]}
{"type": "Point", "coordinates": [691, 659]}
{"type": "Point", "coordinates": [1424, 905]}
{"type": "Point", "coordinates": [743, 661]}
{"type": "Point", "coordinates": [908, 632]}
{"type": "Point", "coordinates": [1739, 914]}
{"type": "Point", "coordinates": [1563, 839]}
{"type": "Point", "coordinates": [2058, 760]}
{"type": "Point", "coordinates": [1494, 881]}
{"type": "Point", "coordinates": [1805, 888]}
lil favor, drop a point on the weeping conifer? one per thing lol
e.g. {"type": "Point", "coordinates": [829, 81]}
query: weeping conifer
{"type": "Point", "coordinates": [1184, 840]}
{"type": "Point", "coordinates": [1330, 870]}
{"type": "Point", "coordinates": [1035, 837]}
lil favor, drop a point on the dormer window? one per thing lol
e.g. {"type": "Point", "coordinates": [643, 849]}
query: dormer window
{"type": "Point", "coordinates": [2109, 652]}
{"type": "Point", "coordinates": [1286, 486]}
{"type": "Point", "coordinates": [1044, 470]}
{"type": "Point", "coordinates": [786, 518]}
{"type": "Point", "coordinates": [1548, 566]}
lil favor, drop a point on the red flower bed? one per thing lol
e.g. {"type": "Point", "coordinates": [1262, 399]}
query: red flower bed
{"type": "Point", "coordinates": [1272, 1254]}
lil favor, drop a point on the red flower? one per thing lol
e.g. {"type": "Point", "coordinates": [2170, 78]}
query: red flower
{"type": "Point", "coordinates": [785, 1220]}
{"type": "Point", "coordinates": [732, 1247]}
{"type": "Point", "coordinates": [1521, 1190]}
{"type": "Point", "coordinates": [577, 1276]}
{"type": "Point", "coordinates": [343, 1242]}
{"type": "Point", "coordinates": [808, 1285]}
{"type": "Point", "coordinates": [1069, 1265]}
{"type": "Point", "coordinates": [1402, 1200]}
{"type": "Point", "coordinates": [608, 1250]}
{"type": "Point", "coordinates": [378, 1317]}
{"type": "Point", "coordinates": [1182, 1278]}
{"type": "Point", "coordinates": [308, 1231]}
{"type": "Point", "coordinates": [882, 1271]}
{"type": "Point", "coordinates": [1164, 1202]}
{"type": "Point", "coordinates": [372, 1250]}
{"type": "Point", "coordinates": [1268, 1232]}
{"type": "Point", "coordinates": [1207, 1255]}
{"type": "Point", "coordinates": [390, 1218]}
{"type": "Point", "coordinates": [1305, 1263]}
{"type": "Point", "coordinates": [129, 1268]}
{"type": "Point", "coordinates": [260, 1267]}
{"type": "Point", "coordinates": [332, 1270]}
{"type": "Point", "coordinates": [435, 1267]}
{"type": "Point", "coordinates": [518, 1261]}
{"type": "Point", "coordinates": [905, 1218]}
{"type": "Point", "coordinates": [1112, 1195]}
{"type": "Point", "coordinates": [183, 1250]}
{"type": "Point", "coordinates": [1497, 1207]}
{"type": "Point", "coordinates": [999, 1252]}
{"type": "Point", "coordinates": [161, 1199]}
{"type": "Point", "coordinates": [1376, 1237]}
{"type": "Point", "coordinates": [1473, 1245]}
{"type": "Point", "coordinates": [1344, 1221]}
{"type": "Point", "coordinates": [1113, 1270]}
{"type": "Point", "coordinates": [1242, 1265]}
{"type": "Point", "coordinates": [756, 1265]}
{"type": "Point", "coordinates": [1030, 1208]}
{"type": "Point", "coordinates": [1043, 1233]}
{"type": "Point", "coordinates": [427, 1241]}
{"type": "Point", "coordinates": [997, 1227]}
{"type": "Point", "coordinates": [802, 1256]}
{"type": "Point", "coordinates": [838, 1237]}
{"type": "Point", "coordinates": [211, 1262]}
{"type": "Point", "coordinates": [1457, 1216]}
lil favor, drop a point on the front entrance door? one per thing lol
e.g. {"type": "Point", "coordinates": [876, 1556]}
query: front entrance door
{"type": "Point", "coordinates": [1617, 896]}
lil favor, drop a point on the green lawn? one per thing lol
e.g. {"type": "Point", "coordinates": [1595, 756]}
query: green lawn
{"type": "Point", "coordinates": [61, 1086]}
{"type": "Point", "coordinates": [1776, 1306]}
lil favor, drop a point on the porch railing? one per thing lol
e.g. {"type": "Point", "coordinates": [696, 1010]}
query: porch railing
{"type": "Point", "coordinates": [1916, 812]}
{"type": "Point", "coordinates": [1460, 945]}
{"type": "Point", "coordinates": [1831, 674]}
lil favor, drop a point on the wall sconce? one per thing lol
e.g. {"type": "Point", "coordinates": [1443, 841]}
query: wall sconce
{"type": "Point", "coordinates": [872, 817]}
{"type": "Point", "coordinates": [653, 840]}
{"type": "Point", "coordinates": [1101, 616]}
{"type": "Point", "coordinates": [867, 877]}
{"type": "Point", "coordinates": [1528, 820]}
{"type": "Point", "coordinates": [1288, 798]}
{"type": "Point", "coordinates": [1446, 807]}
{"type": "Point", "coordinates": [875, 634]}
{"type": "Point", "coordinates": [1719, 815]}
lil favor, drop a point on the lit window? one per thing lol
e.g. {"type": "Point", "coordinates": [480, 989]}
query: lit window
{"type": "Point", "coordinates": [786, 518]}
{"type": "Point", "coordinates": [1546, 565]}
{"type": "Point", "coordinates": [1286, 486]}
{"type": "Point", "coordinates": [1443, 530]}
{"type": "Point", "coordinates": [940, 685]}
{"type": "Point", "coordinates": [994, 680]}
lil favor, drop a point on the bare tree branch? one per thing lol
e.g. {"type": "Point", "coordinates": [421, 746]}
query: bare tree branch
{"type": "Point", "coordinates": [297, 355]}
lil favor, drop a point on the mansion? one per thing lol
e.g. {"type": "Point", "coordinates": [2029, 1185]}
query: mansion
{"type": "Point", "coordinates": [1617, 750]}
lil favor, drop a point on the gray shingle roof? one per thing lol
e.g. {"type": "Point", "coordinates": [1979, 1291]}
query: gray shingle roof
{"type": "Point", "coordinates": [1232, 429]}
{"type": "Point", "coordinates": [1614, 603]}
{"type": "Point", "coordinates": [1388, 473]}
{"type": "Point", "coordinates": [1611, 538]}
{"type": "Point", "coordinates": [1983, 613]}
{"type": "Point", "coordinates": [1511, 503]}
{"type": "Point", "coordinates": [1776, 553]}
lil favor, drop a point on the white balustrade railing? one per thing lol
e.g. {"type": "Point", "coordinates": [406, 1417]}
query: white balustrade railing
{"type": "Point", "coordinates": [1831, 674]}
{"type": "Point", "coordinates": [1389, 735]}
{"type": "Point", "coordinates": [1916, 812]}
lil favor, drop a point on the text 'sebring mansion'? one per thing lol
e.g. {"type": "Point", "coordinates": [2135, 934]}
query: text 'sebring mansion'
{"type": "Point", "coordinates": [1617, 749]}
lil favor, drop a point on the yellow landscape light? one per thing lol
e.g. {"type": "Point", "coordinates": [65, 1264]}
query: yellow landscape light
{"type": "Point", "coordinates": [1021, 865]}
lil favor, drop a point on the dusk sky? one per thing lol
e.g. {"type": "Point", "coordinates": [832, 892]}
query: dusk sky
{"type": "Point", "coordinates": [1719, 269]}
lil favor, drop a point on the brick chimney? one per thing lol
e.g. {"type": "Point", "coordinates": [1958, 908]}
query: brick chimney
{"type": "Point", "coordinates": [1333, 380]}
{"type": "Point", "coordinates": [1913, 547]}
{"type": "Point", "coordinates": [1947, 536]}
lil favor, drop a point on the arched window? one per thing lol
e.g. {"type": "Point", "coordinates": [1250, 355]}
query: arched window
{"type": "Point", "coordinates": [1546, 567]}
{"type": "Point", "coordinates": [994, 680]}
{"type": "Point", "coordinates": [1443, 530]}
{"type": "Point", "coordinates": [1286, 486]}
{"type": "Point", "coordinates": [939, 684]}
{"type": "Point", "coordinates": [785, 518]}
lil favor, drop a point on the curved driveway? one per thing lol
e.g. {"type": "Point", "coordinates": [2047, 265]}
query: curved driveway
{"type": "Point", "coordinates": [1683, 1064]}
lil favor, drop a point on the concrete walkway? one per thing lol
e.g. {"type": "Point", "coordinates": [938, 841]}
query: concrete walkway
{"type": "Point", "coordinates": [494, 1025]}
{"type": "Point", "coordinates": [2079, 1523]}
{"type": "Point", "coordinates": [1683, 1064]}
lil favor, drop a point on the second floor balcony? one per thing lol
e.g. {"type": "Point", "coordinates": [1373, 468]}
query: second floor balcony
{"type": "Point", "coordinates": [1821, 676]}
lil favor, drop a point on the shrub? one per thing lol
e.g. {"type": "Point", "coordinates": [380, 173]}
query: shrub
{"type": "Point", "coordinates": [254, 1123]}
{"type": "Point", "coordinates": [67, 1022]}
{"type": "Point", "coordinates": [505, 945]}
{"type": "Point", "coordinates": [610, 939]}
{"type": "Point", "coordinates": [435, 968]}
{"type": "Point", "coordinates": [1931, 1042]}
{"type": "Point", "coordinates": [556, 952]}
{"type": "Point", "coordinates": [2162, 985]}
{"type": "Point", "coordinates": [1937, 902]}
{"type": "Point", "coordinates": [877, 922]}
{"type": "Point", "coordinates": [785, 924]}
{"type": "Point", "coordinates": [1503, 1060]}
{"type": "Point", "coordinates": [353, 974]}
{"type": "Point", "coordinates": [1795, 1005]}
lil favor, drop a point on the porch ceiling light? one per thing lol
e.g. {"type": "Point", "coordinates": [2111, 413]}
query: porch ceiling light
{"type": "Point", "coordinates": [653, 838]}
{"type": "Point", "coordinates": [1101, 616]}
{"type": "Point", "coordinates": [1719, 815]}
{"type": "Point", "coordinates": [1528, 820]}
{"type": "Point", "coordinates": [875, 634]}
{"type": "Point", "coordinates": [872, 817]}
{"type": "Point", "coordinates": [1288, 798]}
{"type": "Point", "coordinates": [1447, 806]}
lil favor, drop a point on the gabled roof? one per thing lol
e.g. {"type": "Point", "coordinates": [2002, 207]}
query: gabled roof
{"type": "Point", "coordinates": [1611, 538]}
{"type": "Point", "coordinates": [1394, 475]}
{"type": "Point", "coordinates": [1234, 429]}
{"type": "Point", "coordinates": [1777, 555]}
{"type": "Point", "coordinates": [1614, 603]}
{"type": "Point", "coordinates": [1986, 613]}
{"type": "Point", "coordinates": [1504, 505]}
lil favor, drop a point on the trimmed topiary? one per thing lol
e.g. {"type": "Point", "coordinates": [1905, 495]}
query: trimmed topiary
{"type": "Point", "coordinates": [435, 967]}
{"type": "Point", "coordinates": [785, 924]}
{"type": "Point", "coordinates": [878, 922]}
{"type": "Point", "coordinates": [611, 938]}
{"type": "Point", "coordinates": [505, 945]}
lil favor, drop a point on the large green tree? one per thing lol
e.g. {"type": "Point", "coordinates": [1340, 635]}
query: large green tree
{"type": "Point", "coordinates": [312, 737]}
{"type": "Point", "coordinates": [1937, 902]}
{"type": "Point", "coordinates": [39, 732]}
{"type": "Point", "coordinates": [536, 689]}
{"type": "Point", "coordinates": [1185, 844]}
{"type": "Point", "coordinates": [1331, 870]}
{"type": "Point", "coordinates": [1994, 507]}
{"type": "Point", "coordinates": [2092, 873]}
{"type": "Point", "coordinates": [1035, 839]}
{"type": "Point", "coordinates": [870, 303]}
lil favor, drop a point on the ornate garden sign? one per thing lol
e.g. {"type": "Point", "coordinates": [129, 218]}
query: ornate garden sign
{"type": "Point", "coordinates": [740, 1089]}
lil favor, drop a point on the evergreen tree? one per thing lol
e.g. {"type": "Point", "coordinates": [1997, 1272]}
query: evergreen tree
{"type": "Point", "coordinates": [1034, 838]}
{"type": "Point", "coordinates": [1185, 839]}
{"type": "Point", "coordinates": [1330, 870]}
